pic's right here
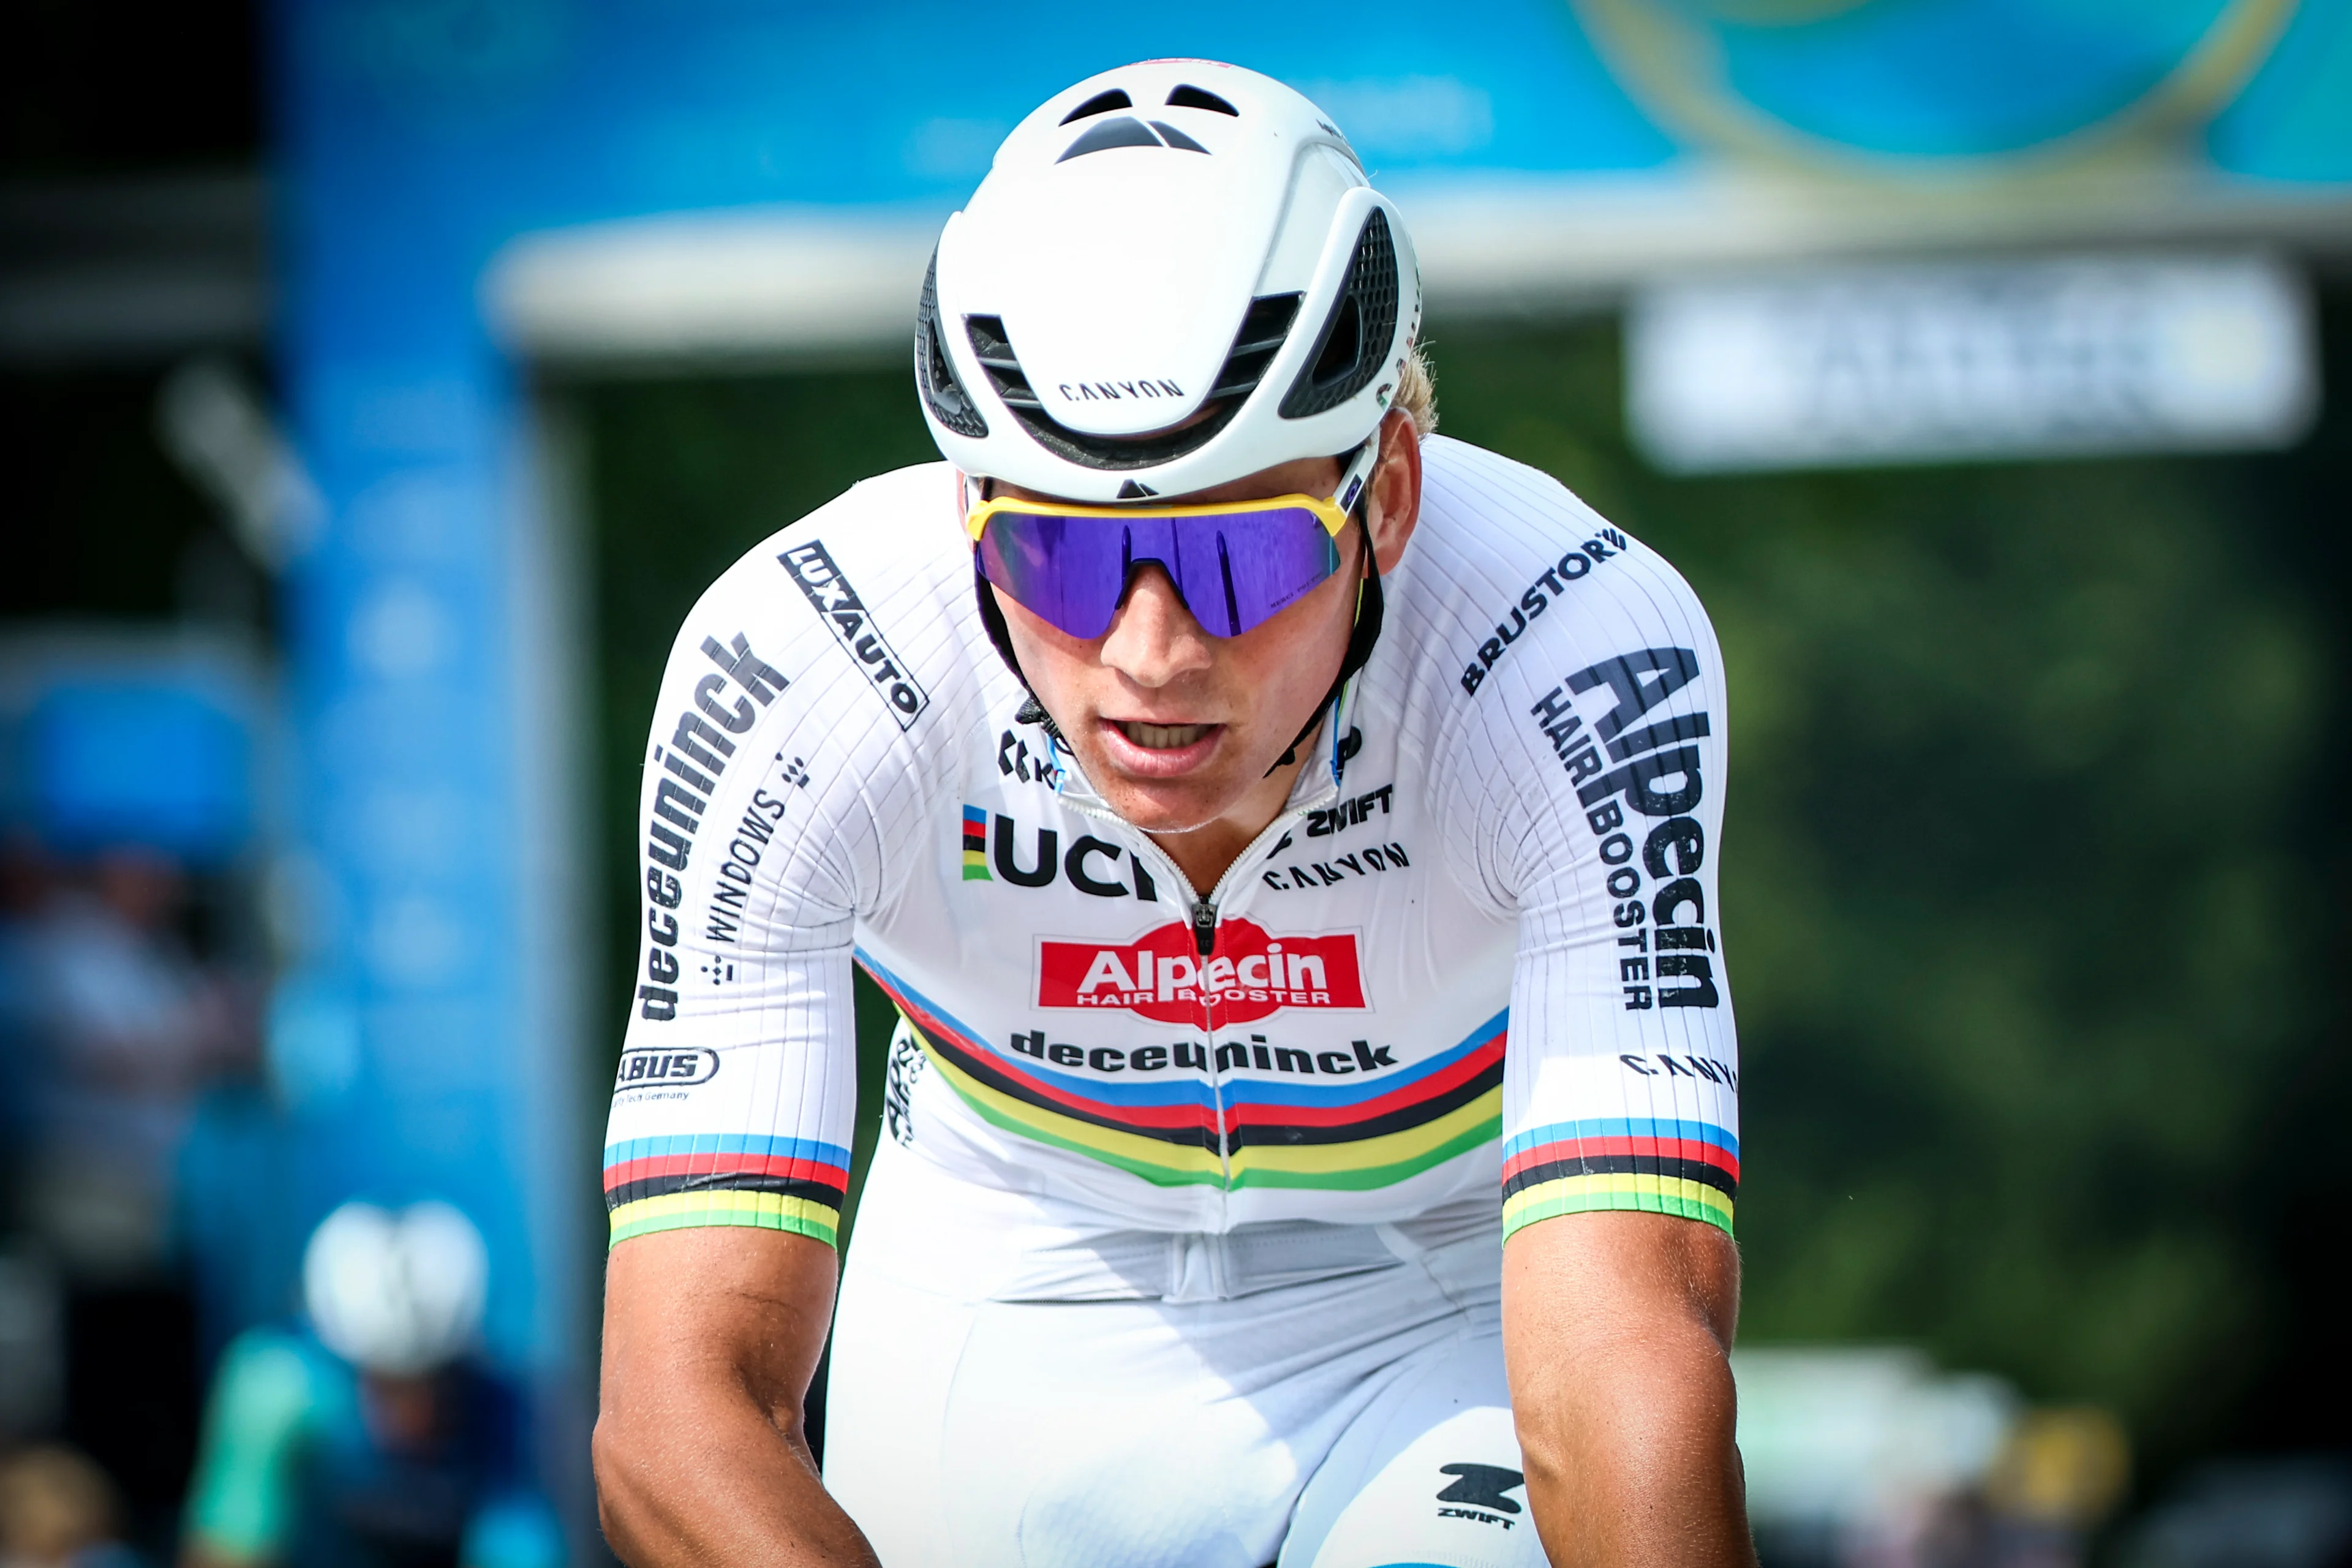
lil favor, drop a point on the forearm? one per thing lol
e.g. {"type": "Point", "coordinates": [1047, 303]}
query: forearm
{"type": "Point", "coordinates": [708, 1477]}
{"type": "Point", "coordinates": [1632, 1462]}
{"type": "Point", "coordinates": [1617, 1332]}
{"type": "Point", "coordinates": [711, 1338]}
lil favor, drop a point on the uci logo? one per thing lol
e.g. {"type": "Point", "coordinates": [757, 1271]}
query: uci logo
{"type": "Point", "coordinates": [996, 851]}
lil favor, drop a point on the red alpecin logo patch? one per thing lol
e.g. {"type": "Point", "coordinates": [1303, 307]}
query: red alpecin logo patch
{"type": "Point", "coordinates": [1162, 976]}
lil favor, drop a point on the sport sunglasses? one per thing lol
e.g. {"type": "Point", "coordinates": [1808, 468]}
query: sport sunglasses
{"type": "Point", "coordinates": [1236, 563]}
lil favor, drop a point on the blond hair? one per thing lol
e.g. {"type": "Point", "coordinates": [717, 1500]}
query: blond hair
{"type": "Point", "coordinates": [1416, 391]}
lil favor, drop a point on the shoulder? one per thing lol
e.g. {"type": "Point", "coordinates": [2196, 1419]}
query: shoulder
{"type": "Point", "coordinates": [1509, 564]}
{"type": "Point", "coordinates": [906, 522]}
{"type": "Point", "coordinates": [891, 537]}
{"type": "Point", "coordinates": [1530, 634]}
{"type": "Point", "coordinates": [871, 591]}
{"type": "Point", "coordinates": [269, 1378]}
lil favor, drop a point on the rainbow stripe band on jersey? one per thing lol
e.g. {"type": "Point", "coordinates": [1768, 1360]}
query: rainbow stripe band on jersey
{"type": "Point", "coordinates": [1371, 1132]}
{"type": "Point", "coordinates": [1685, 1168]}
{"type": "Point", "coordinates": [678, 1182]}
{"type": "Point", "coordinates": [975, 845]}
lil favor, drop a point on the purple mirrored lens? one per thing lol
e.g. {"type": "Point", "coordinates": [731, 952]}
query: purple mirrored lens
{"type": "Point", "coordinates": [1234, 570]}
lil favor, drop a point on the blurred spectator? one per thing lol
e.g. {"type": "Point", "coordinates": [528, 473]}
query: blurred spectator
{"type": "Point", "coordinates": [117, 1027]}
{"type": "Point", "coordinates": [31, 1331]}
{"type": "Point", "coordinates": [32, 1345]}
{"type": "Point", "coordinates": [24, 889]}
{"type": "Point", "coordinates": [2293, 1513]}
{"type": "Point", "coordinates": [1868, 1458]}
{"type": "Point", "coordinates": [111, 1025]}
{"type": "Point", "coordinates": [56, 1511]}
{"type": "Point", "coordinates": [369, 1436]}
{"type": "Point", "coordinates": [2060, 1475]}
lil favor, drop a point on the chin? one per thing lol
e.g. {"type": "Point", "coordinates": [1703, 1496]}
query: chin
{"type": "Point", "coordinates": [1161, 806]}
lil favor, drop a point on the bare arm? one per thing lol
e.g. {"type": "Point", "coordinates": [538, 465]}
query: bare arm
{"type": "Point", "coordinates": [710, 1339]}
{"type": "Point", "coordinates": [1617, 1332]}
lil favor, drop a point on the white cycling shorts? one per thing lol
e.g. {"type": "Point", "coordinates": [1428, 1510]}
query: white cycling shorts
{"type": "Point", "coordinates": [1004, 1392]}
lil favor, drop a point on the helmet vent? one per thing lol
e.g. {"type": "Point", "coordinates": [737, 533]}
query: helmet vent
{"type": "Point", "coordinates": [1175, 138]}
{"type": "Point", "coordinates": [1127, 131]}
{"type": "Point", "coordinates": [1355, 338]}
{"type": "Point", "coordinates": [1343, 344]}
{"type": "Point", "coordinates": [1265, 329]}
{"type": "Point", "coordinates": [995, 356]}
{"type": "Point", "coordinates": [1191, 97]}
{"type": "Point", "coordinates": [1103, 104]}
{"type": "Point", "coordinates": [1265, 326]}
{"type": "Point", "coordinates": [942, 393]}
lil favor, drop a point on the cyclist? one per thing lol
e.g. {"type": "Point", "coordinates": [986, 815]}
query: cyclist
{"type": "Point", "coordinates": [1279, 828]}
{"type": "Point", "coordinates": [369, 1437]}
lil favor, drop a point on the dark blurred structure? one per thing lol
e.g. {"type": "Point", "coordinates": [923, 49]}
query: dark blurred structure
{"type": "Point", "coordinates": [135, 728]}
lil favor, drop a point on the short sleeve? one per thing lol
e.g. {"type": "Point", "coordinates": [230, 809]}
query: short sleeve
{"type": "Point", "coordinates": [1620, 1085]}
{"type": "Point", "coordinates": [241, 1499]}
{"type": "Point", "coordinates": [736, 1086]}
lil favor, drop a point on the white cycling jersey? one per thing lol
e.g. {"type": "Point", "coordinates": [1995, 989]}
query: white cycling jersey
{"type": "Point", "coordinates": [1477, 949]}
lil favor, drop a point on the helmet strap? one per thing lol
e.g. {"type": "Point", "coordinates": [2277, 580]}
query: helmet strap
{"type": "Point", "coordinates": [1370, 605]}
{"type": "Point", "coordinates": [992, 620]}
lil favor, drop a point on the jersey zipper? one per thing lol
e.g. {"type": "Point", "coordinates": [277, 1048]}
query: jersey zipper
{"type": "Point", "coordinates": [1205, 912]}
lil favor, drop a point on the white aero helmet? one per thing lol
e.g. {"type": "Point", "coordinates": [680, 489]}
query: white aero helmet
{"type": "Point", "coordinates": [398, 1293]}
{"type": "Point", "coordinates": [1175, 273]}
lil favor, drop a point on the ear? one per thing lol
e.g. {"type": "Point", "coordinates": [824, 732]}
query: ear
{"type": "Point", "coordinates": [1392, 510]}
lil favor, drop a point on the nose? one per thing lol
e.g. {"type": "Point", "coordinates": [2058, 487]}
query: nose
{"type": "Point", "coordinates": [1153, 639]}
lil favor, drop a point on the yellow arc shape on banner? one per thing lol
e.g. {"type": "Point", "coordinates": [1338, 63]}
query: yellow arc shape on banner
{"type": "Point", "coordinates": [1677, 71]}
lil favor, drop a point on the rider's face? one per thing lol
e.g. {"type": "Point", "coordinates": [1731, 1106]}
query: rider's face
{"type": "Point", "coordinates": [1176, 728]}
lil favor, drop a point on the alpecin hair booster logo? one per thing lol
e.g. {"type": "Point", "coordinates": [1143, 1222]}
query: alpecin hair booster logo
{"type": "Point", "coordinates": [1162, 975]}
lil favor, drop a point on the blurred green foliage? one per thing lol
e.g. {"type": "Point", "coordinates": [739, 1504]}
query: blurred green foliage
{"type": "Point", "coordinates": [2020, 900]}
{"type": "Point", "coordinates": [2019, 927]}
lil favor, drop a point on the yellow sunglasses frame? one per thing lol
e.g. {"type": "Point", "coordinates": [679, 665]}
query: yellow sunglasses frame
{"type": "Point", "coordinates": [1328, 510]}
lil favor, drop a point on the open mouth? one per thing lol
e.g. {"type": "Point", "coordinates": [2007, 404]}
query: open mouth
{"type": "Point", "coordinates": [1161, 737]}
